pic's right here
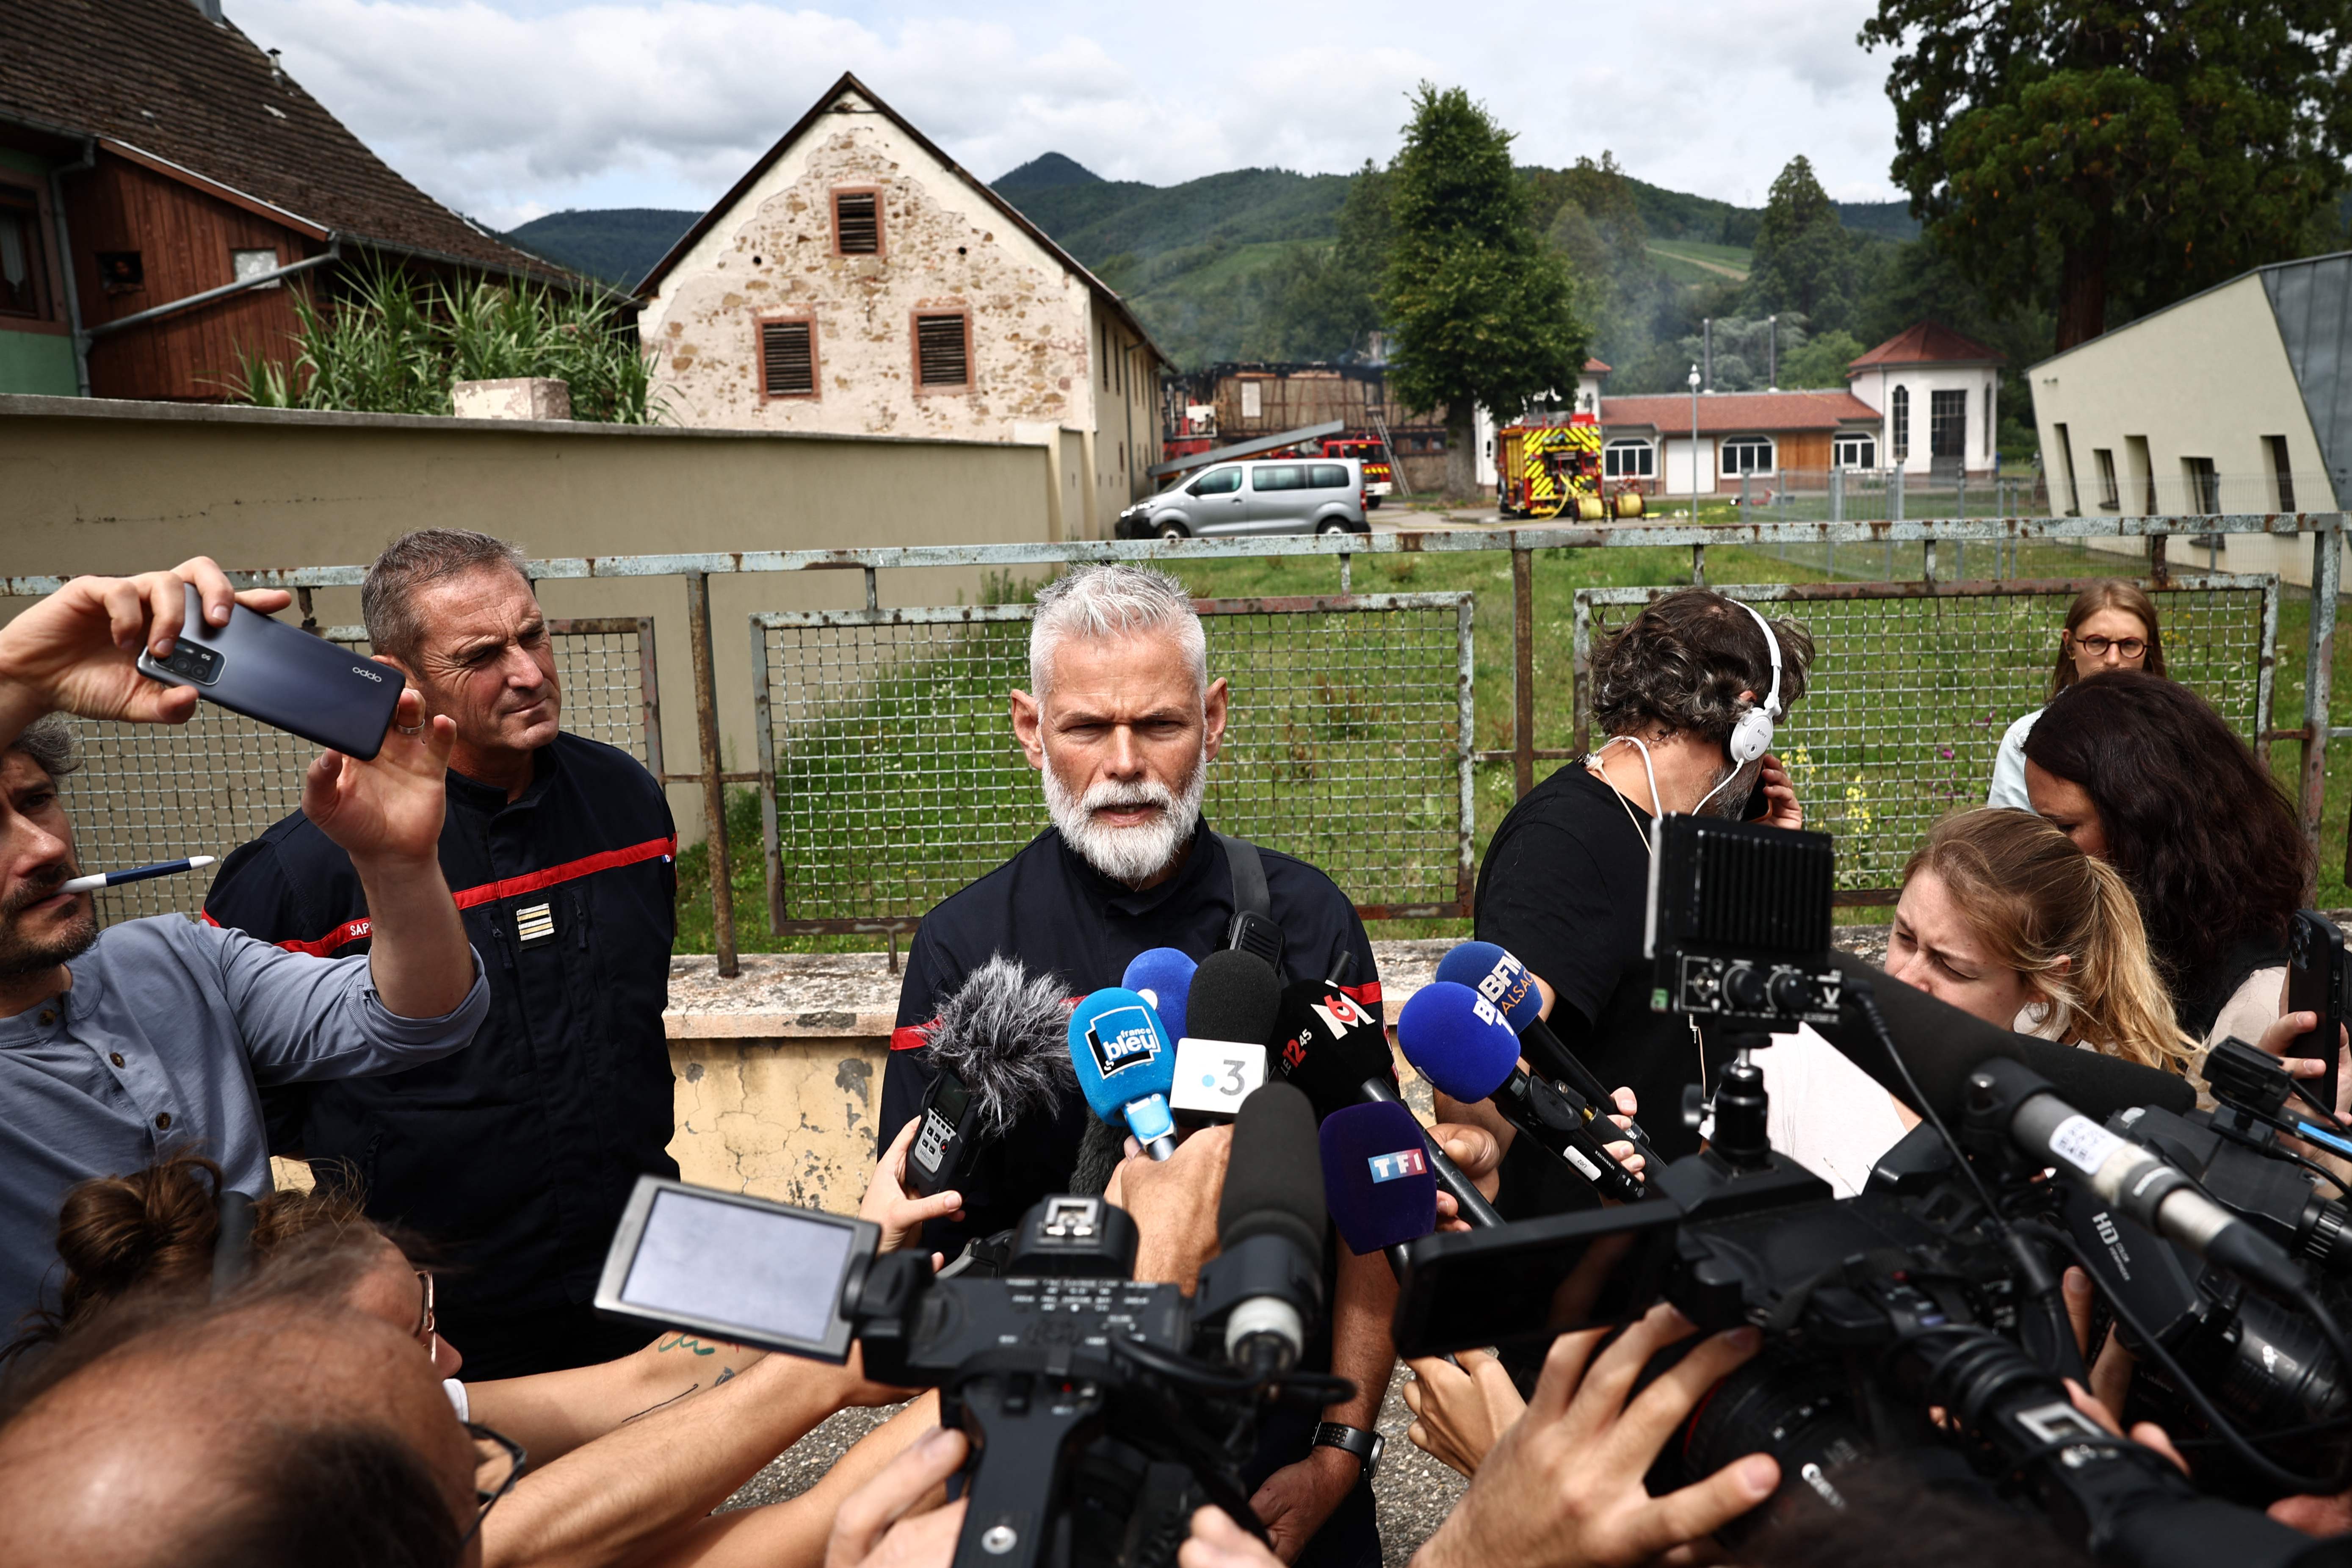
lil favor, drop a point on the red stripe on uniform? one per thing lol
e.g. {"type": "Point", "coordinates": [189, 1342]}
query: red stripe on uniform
{"type": "Point", "coordinates": [910, 1037]}
{"type": "Point", "coordinates": [1369, 994]}
{"type": "Point", "coordinates": [490, 892]}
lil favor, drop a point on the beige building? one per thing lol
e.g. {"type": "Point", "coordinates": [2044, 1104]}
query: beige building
{"type": "Point", "coordinates": [857, 282]}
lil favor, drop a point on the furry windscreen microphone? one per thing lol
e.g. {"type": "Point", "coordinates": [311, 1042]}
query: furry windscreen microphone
{"type": "Point", "coordinates": [1376, 1176]}
{"type": "Point", "coordinates": [999, 1048]}
{"type": "Point", "coordinates": [1163, 977]}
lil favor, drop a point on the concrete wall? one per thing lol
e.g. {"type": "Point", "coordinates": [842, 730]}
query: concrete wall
{"type": "Point", "coordinates": [95, 486]}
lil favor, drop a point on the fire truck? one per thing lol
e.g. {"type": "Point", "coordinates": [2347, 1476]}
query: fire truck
{"type": "Point", "coordinates": [1554, 471]}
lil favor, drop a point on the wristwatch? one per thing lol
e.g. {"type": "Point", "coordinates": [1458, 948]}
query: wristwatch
{"type": "Point", "coordinates": [1367, 1446]}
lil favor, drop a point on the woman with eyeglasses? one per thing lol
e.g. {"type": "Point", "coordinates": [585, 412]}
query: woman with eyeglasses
{"type": "Point", "coordinates": [2110, 625]}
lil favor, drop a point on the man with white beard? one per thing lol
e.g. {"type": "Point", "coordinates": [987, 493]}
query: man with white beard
{"type": "Point", "coordinates": [1122, 720]}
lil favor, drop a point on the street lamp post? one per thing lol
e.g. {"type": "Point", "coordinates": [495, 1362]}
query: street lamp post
{"type": "Point", "coordinates": [1694, 386]}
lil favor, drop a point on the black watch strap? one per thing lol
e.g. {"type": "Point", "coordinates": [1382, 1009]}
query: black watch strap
{"type": "Point", "coordinates": [1366, 1445]}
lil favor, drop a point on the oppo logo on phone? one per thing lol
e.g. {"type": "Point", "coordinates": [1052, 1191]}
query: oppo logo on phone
{"type": "Point", "coordinates": [371, 675]}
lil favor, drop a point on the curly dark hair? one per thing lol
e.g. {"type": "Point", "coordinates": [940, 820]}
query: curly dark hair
{"type": "Point", "coordinates": [2192, 819]}
{"type": "Point", "coordinates": [1682, 663]}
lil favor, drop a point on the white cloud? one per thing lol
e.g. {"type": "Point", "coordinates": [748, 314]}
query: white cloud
{"type": "Point", "coordinates": [508, 111]}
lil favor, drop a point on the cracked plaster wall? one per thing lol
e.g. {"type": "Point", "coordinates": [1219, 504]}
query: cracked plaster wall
{"type": "Point", "coordinates": [788, 1119]}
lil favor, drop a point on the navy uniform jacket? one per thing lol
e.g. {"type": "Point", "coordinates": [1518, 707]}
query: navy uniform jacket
{"type": "Point", "coordinates": [513, 1158]}
{"type": "Point", "coordinates": [1054, 913]}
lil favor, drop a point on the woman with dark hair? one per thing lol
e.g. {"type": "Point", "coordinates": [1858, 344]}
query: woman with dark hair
{"type": "Point", "coordinates": [2142, 773]}
{"type": "Point", "coordinates": [2110, 625]}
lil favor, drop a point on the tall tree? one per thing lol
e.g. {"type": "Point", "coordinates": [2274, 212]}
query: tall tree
{"type": "Point", "coordinates": [2156, 147]}
{"type": "Point", "coordinates": [1481, 310]}
{"type": "Point", "coordinates": [1804, 259]}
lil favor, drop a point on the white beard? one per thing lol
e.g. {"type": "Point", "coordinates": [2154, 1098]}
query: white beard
{"type": "Point", "coordinates": [1128, 855]}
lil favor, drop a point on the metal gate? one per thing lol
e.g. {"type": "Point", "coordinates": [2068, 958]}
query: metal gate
{"type": "Point", "coordinates": [889, 776]}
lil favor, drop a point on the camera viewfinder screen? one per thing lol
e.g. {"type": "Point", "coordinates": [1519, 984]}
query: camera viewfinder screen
{"type": "Point", "coordinates": [706, 1259]}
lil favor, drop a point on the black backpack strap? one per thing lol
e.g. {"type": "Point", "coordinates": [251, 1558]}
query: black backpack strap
{"type": "Point", "coordinates": [1253, 929]}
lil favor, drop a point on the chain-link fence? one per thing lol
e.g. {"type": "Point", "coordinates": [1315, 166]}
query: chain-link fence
{"type": "Point", "coordinates": [1910, 692]}
{"type": "Point", "coordinates": [890, 776]}
{"type": "Point", "coordinates": [154, 792]}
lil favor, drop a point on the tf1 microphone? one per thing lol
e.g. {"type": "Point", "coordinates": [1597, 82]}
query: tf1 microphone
{"type": "Point", "coordinates": [998, 1046]}
{"type": "Point", "coordinates": [1943, 1045]}
{"type": "Point", "coordinates": [1459, 1042]}
{"type": "Point", "coordinates": [1164, 976]}
{"type": "Point", "coordinates": [2134, 1182]}
{"type": "Point", "coordinates": [1267, 1281]}
{"type": "Point", "coordinates": [1376, 1179]}
{"type": "Point", "coordinates": [1510, 987]}
{"type": "Point", "coordinates": [1232, 1007]}
{"type": "Point", "coordinates": [1125, 1064]}
{"type": "Point", "coordinates": [1334, 1051]}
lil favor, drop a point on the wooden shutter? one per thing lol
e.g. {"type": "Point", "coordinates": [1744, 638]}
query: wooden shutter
{"type": "Point", "coordinates": [787, 358]}
{"type": "Point", "coordinates": [940, 356]}
{"type": "Point", "coordinates": [856, 227]}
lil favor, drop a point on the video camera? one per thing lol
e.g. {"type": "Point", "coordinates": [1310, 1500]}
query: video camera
{"type": "Point", "coordinates": [1102, 1411]}
{"type": "Point", "coordinates": [1922, 1318]}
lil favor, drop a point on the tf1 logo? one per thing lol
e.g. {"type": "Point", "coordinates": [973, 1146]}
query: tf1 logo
{"type": "Point", "coordinates": [1122, 1037]}
{"type": "Point", "coordinates": [1396, 1167]}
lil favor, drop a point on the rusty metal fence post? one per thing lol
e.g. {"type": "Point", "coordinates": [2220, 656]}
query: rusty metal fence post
{"type": "Point", "coordinates": [2318, 683]}
{"type": "Point", "coordinates": [1523, 671]}
{"type": "Point", "coordinates": [714, 776]}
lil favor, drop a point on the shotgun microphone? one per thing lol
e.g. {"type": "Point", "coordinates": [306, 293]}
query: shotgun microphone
{"type": "Point", "coordinates": [1267, 1281]}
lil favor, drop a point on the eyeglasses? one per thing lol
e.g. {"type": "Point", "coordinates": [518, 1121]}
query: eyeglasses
{"type": "Point", "coordinates": [497, 1464]}
{"type": "Point", "coordinates": [2131, 648]}
{"type": "Point", "coordinates": [428, 1331]}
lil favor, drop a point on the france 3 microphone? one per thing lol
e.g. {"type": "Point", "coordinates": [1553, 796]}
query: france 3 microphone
{"type": "Point", "coordinates": [998, 1052]}
{"type": "Point", "coordinates": [1229, 1013]}
{"type": "Point", "coordinates": [1126, 1064]}
{"type": "Point", "coordinates": [1510, 986]}
{"type": "Point", "coordinates": [1339, 1054]}
{"type": "Point", "coordinates": [1460, 1042]}
{"type": "Point", "coordinates": [1376, 1178]}
{"type": "Point", "coordinates": [1163, 977]}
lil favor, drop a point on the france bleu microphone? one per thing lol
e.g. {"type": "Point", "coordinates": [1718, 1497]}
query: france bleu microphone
{"type": "Point", "coordinates": [1164, 976]}
{"type": "Point", "coordinates": [998, 1052]}
{"type": "Point", "coordinates": [1339, 1054]}
{"type": "Point", "coordinates": [1126, 1064]}
{"type": "Point", "coordinates": [1377, 1180]}
{"type": "Point", "coordinates": [1461, 1042]}
{"type": "Point", "coordinates": [1495, 974]}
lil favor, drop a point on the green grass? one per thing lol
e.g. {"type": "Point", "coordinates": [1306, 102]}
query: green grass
{"type": "Point", "coordinates": [1690, 261]}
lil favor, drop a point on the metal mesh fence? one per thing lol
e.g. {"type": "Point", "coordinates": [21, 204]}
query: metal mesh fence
{"type": "Point", "coordinates": [156, 792]}
{"type": "Point", "coordinates": [1910, 693]}
{"type": "Point", "coordinates": [892, 777]}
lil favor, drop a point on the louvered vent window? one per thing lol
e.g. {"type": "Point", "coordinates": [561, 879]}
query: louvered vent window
{"type": "Point", "coordinates": [939, 355]}
{"type": "Point", "coordinates": [788, 358]}
{"type": "Point", "coordinates": [856, 227]}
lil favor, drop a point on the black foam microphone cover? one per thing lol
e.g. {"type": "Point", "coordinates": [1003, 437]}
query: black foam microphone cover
{"type": "Point", "coordinates": [1943, 1045]}
{"type": "Point", "coordinates": [1234, 995]}
{"type": "Point", "coordinates": [1328, 1046]}
{"type": "Point", "coordinates": [1274, 1174]}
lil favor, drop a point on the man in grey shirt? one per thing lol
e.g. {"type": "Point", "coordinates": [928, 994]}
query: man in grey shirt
{"type": "Point", "coordinates": [119, 1047]}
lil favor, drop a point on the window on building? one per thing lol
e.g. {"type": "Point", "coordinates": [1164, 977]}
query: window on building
{"type": "Point", "coordinates": [121, 271]}
{"type": "Point", "coordinates": [788, 359]}
{"type": "Point", "coordinates": [1216, 482]}
{"type": "Point", "coordinates": [2066, 460]}
{"type": "Point", "coordinates": [1987, 420]}
{"type": "Point", "coordinates": [2143, 476]}
{"type": "Point", "coordinates": [1253, 399]}
{"type": "Point", "coordinates": [857, 223]}
{"type": "Point", "coordinates": [247, 265]}
{"type": "Point", "coordinates": [2204, 484]}
{"type": "Point", "coordinates": [1278, 477]}
{"type": "Point", "coordinates": [1898, 421]}
{"type": "Point", "coordinates": [2105, 460]}
{"type": "Point", "coordinates": [2282, 474]}
{"type": "Point", "coordinates": [23, 279]}
{"type": "Point", "coordinates": [1748, 455]}
{"type": "Point", "coordinates": [1853, 449]}
{"type": "Point", "coordinates": [1947, 424]}
{"type": "Point", "coordinates": [1629, 458]}
{"type": "Point", "coordinates": [943, 350]}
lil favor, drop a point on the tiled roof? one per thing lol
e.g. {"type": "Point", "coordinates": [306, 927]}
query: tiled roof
{"type": "Point", "coordinates": [160, 80]}
{"type": "Point", "coordinates": [1594, 367]}
{"type": "Point", "coordinates": [1737, 413]}
{"type": "Point", "coordinates": [1928, 342]}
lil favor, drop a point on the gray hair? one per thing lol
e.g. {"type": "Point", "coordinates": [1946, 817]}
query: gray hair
{"type": "Point", "coordinates": [49, 741]}
{"type": "Point", "coordinates": [388, 597]}
{"type": "Point", "coordinates": [1112, 600]}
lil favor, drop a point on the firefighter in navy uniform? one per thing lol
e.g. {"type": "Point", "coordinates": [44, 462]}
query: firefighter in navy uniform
{"type": "Point", "coordinates": [512, 1159]}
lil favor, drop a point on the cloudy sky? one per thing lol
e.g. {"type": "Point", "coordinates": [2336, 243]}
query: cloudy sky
{"type": "Point", "coordinates": [510, 108]}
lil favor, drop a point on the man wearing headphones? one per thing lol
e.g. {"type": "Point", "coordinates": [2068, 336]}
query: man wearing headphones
{"type": "Point", "coordinates": [1685, 697]}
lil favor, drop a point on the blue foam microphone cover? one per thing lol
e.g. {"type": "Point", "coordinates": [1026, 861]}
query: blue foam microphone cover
{"type": "Point", "coordinates": [1164, 976]}
{"type": "Point", "coordinates": [1376, 1176]}
{"type": "Point", "coordinates": [1500, 978]}
{"type": "Point", "coordinates": [1123, 1056]}
{"type": "Point", "coordinates": [1455, 1038]}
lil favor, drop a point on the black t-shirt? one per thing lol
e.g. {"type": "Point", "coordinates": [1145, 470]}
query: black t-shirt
{"type": "Point", "coordinates": [1564, 887]}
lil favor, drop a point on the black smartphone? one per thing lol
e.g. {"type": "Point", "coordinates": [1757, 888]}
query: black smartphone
{"type": "Point", "coordinates": [1529, 1281]}
{"type": "Point", "coordinates": [284, 677]}
{"type": "Point", "coordinates": [2315, 978]}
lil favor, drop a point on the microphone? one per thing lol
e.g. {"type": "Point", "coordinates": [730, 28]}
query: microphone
{"type": "Point", "coordinates": [1267, 1281]}
{"type": "Point", "coordinates": [2133, 1182]}
{"type": "Point", "coordinates": [1943, 1046]}
{"type": "Point", "coordinates": [1332, 1050]}
{"type": "Point", "coordinates": [1460, 1043]}
{"type": "Point", "coordinates": [1125, 1065]}
{"type": "Point", "coordinates": [1221, 1061]}
{"type": "Point", "coordinates": [1163, 977]}
{"type": "Point", "coordinates": [1376, 1178]}
{"type": "Point", "coordinates": [1510, 987]}
{"type": "Point", "coordinates": [998, 1047]}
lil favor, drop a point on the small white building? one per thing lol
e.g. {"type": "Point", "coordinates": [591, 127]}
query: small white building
{"type": "Point", "coordinates": [1938, 398]}
{"type": "Point", "coordinates": [858, 280]}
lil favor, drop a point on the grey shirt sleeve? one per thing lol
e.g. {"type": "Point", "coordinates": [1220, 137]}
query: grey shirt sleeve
{"type": "Point", "coordinates": [304, 1017]}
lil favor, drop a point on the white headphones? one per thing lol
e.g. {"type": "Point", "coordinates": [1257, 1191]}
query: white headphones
{"type": "Point", "coordinates": [1751, 737]}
